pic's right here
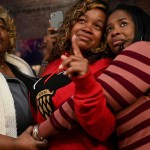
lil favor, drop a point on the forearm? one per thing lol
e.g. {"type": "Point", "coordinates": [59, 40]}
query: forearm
{"type": "Point", "coordinates": [8, 143]}
{"type": "Point", "coordinates": [62, 119]}
{"type": "Point", "coordinates": [95, 117]}
{"type": "Point", "coordinates": [91, 109]}
{"type": "Point", "coordinates": [46, 129]}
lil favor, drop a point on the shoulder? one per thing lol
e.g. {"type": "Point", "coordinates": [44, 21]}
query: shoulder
{"type": "Point", "coordinates": [54, 63]}
{"type": "Point", "coordinates": [18, 62]}
{"type": "Point", "coordinates": [99, 66]}
{"type": "Point", "coordinates": [103, 61]}
{"type": "Point", "coordinates": [139, 44]}
{"type": "Point", "coordinates": [139, 47]}
{"type": "Point", "coordinates": [52, 67]}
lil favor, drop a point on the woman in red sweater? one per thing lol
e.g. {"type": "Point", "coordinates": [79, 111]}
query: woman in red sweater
{"type": "Point", "coordinates": [86, 20]}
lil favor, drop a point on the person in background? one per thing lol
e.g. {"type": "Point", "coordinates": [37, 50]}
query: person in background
{"type": "Point", "coordinates": [16, 78]}
{"type": "Point", "coordinates": [80, 35]}
{"type": "Point", "coordinates": [125, 82]}
{"type": "Point", "coordinates": [49, 41]}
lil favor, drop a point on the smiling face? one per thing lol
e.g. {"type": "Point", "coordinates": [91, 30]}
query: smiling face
{"type": "Point", "coordinates": [120, 30]}
{"type": "Point", "coordinates": [89, 29]}
{"type": "Point", "coordinates": [4, 38]}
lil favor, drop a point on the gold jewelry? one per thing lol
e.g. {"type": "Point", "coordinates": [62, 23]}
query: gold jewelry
{"type": "Point", "coordinates": [2, 66]}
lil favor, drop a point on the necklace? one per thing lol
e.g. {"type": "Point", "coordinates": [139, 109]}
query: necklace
{"type": "Point", "coordinates": [2, 66]}
{"type": "Point", "coordinates": [56, 71]}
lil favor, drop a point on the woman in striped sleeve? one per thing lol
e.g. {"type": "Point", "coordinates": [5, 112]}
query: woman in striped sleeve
{"type": "Point", "coordinates": [125, 83]}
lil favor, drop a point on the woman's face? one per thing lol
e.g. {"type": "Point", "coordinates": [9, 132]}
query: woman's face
{"type": "Point", "coordinates": [120, 30]}
{"type": "Point", "coordinates": [4, 38]}
{"type": "Point", "coordinates": [89, 29]}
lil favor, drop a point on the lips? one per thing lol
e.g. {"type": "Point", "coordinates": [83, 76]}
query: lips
{"type": "Point", "coordinates": [84, 38]}
{"type": "Point", "coordinates": [117, 42]}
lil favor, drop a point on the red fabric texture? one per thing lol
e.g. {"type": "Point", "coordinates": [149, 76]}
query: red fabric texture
{"type": "Point", "coordinates": [99, 120]}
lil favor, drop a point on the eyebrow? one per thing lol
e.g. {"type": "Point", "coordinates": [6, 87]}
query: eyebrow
{"type": "Point", "coordinates": [120, 19]}
{"type": "Point", "coordinates": [101, 21]}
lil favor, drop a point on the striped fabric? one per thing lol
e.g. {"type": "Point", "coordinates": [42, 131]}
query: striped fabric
{"type": "Point", "coordinates": [128, 77]}
{"type": "Point", "coordinates": [133, 126]}
{"type": "Point", "coordinates": [124, 83]}
{"type": "Point", "coordinates": [61, 119]}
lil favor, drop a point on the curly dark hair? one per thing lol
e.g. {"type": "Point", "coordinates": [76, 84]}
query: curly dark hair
{"type": "Point", "coordinates": [63, 42]}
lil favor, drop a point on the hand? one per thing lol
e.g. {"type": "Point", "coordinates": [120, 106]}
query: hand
{"type": "Point", "coordinates": [50, 37]}
{"type": "Point", "coordinates": [49, 41]}
{"type": "Point", "coordinates": [75, 64]}
{"type": "Point", "coordinates": [26, 142]}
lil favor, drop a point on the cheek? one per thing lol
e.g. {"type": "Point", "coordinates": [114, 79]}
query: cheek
{"type": "Point", "coordinates": [132, 35]}
{"type": "Point", "coordinates": [98, 38]}
{"type": "Point", "coordinates": [130, 32]}
{"type": "Point", "coordinates": [7, 41]}
{"type": "Point", "coordinates": [133, 31]}
{"type": "Point", "coordinates": [74, 30]}
{"type": "Point", "coordinates": [108, 40]}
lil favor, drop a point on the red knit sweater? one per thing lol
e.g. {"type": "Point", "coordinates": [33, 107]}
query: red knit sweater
{"type": "Point", "coordinates": [96, 131]}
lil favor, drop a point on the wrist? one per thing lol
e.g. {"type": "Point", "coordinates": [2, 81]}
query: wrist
{"type": "Point", "coordinates": [17, 144]}
{"type": "Point", "coordinates": [35, 133]}
{"type": "Point", "coordinates": [44, 63]}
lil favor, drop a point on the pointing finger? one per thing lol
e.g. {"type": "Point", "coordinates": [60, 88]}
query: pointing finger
{"type": "Point", "coordinates": [75, 47]}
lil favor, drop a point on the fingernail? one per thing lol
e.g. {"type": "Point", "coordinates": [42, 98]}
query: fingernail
{"type": "Point", "coordinates": [63, 57]}
{"type": "Point", "coordinates": [60, 66]}
{"type": "Point", "coordinates": [64, 73]}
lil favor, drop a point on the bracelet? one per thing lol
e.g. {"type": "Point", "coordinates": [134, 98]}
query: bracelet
{"type": "Point", "coordinates": [35, 133]}
{"type": "Point", "coordinates": [44, 63]}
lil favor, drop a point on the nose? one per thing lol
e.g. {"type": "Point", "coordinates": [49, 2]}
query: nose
{"type": "Point", "coordinates": [87, 28]}
{"type": "Point", "coordinates": [115, 31]}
